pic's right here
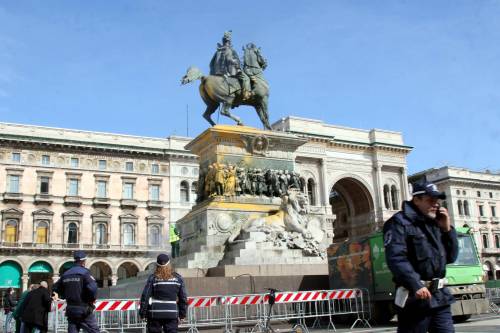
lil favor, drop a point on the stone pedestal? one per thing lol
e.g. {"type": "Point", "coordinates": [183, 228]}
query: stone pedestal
{"type": "Point", "coordinates": [218, 217]}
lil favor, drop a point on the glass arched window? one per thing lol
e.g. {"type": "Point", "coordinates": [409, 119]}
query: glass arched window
{"type": "Point", "coordinates": [101, 234]}
{"type": "Point", "coordinates": [460, 207]}
{"type": "Point", "coordinates": [497, 241]}
{"type": "Point", "coordinates": [72, 233]}
{"type": "Point", "coordinates": [154, 236]}
{"type": "Point", "coordinates": [387, 199]}
{"type": "Point", "coordinates": [184, 191]}
{"type": "Point", "coordinates": [194, 188]}
{"type": "Point", "coordinates": [42, 232]}
{"type": "Point", "coordinates": [466, 208]}
{"type": "Point", "coordinates": [11, 231]}
{"type": "Point", "coordinates": [128, 234]}
{"type": "Point", "coordinates": [311, 191]}
{"type": "Point", "coordinates": [485, 241]}
{"type": "Point", "coordinates": [394, 198]}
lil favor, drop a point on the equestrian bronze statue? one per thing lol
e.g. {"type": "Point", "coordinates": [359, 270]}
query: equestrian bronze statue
{"type": "Point", "coordinates": [230, 85]}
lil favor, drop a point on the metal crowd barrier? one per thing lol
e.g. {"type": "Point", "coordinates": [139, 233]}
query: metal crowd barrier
{"type": "Point", "coordinates": [238, 310]}
{"type": "Point", "coordinates": [493, 296]}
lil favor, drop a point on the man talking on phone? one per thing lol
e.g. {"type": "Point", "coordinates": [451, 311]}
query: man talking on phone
{"type": "Point", "coordinates": [419, 241]}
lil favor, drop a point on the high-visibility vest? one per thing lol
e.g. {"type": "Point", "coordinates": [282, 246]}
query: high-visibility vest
{"type": "Point", "coordinates": [173, 234]}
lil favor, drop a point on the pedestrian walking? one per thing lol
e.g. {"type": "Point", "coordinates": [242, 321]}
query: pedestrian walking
{"type": "Point", "coordinates": [35, 309]}
{"type": "Point", "coordinates": [164, 298]}
{"type": "Point", "coordinates": [17, 311]}
{"type": "Point", "coordinates": [419, 241]}
{"type": "Point", "coordinates": [9, 305]}
{"type": "Point", "coordinates": [78, 287]}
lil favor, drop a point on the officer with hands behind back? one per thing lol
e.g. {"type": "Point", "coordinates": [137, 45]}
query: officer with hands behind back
{"type": "Point", "coordinates": [164, 298]}
{"type": "Point", "coordinates": [419, 241]}
{"type": "Point", "coordinates": [79, 290]}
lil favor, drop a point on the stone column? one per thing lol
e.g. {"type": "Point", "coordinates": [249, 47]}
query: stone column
{"type": "Point", "coordinates": [25, 279]}
{"type": "Point", "coordinates": [324, 179]}
{"type": "Point", "coordinates": [404, 184]}
{"type": "Point", "coordinates": [114, 279]}
{"type": "Point", "coordinates": [379, 191]}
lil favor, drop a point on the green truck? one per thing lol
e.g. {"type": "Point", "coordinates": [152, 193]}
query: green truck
{"type": "Point", "coordinates": [360, 263]}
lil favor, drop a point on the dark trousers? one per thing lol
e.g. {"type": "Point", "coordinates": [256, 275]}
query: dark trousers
{"type": "Point", "coordinates": [168, 325]}
{"type": "Point", "coordinates": [175, 249]}
{"type": "Point", "coordinates": [89, 324]}
{"type": "Point", "coordinates": [437, 320]}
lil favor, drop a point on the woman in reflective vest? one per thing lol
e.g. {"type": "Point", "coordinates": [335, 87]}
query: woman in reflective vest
{"type": "Point", "coordinates": [164, 298]}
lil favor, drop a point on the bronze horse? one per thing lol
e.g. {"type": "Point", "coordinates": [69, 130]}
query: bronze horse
{"type": "Point", "coordinates": [216, 90]}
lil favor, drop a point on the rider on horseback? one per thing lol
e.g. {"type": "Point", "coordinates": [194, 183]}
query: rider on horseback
{"type": "Point", "coordinates": [226, 62]}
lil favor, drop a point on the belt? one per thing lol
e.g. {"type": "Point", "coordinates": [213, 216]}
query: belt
{"type": "Point", "coordinates": [435, 284]}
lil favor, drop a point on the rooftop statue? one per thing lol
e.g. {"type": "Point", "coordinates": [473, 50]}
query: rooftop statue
{"type": "Point", "coordinates": [230, 85]}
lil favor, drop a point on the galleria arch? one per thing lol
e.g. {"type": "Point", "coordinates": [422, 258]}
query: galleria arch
{"type": "Point", "coordinates": [353, 205]}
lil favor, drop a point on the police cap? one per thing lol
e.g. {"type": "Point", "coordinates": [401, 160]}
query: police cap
{"type": "Point", "coordinates": [79, 256]}
{"type": "Point", "coordinates": [427, 188]}
{"type": "Point", "coordinates": [162, 259]}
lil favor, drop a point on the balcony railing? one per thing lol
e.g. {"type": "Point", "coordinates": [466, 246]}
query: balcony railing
{"type": "Point", "coordinates": [483, 219]}
{"type": "Point", "coordinates": [43, 199]}
{"type": "Point", "coordinates": [74, 246]}
{"type": "Point", "coordinates": [13, 197]}
{"type": "Point", "coordinates": [495, 219]}
{"type": "Point", "coordinates": [72, 200]}
{"type": "Point", "coordinates": [490, 250]}
{"type": "Point", "coordinates": [101, 202]}
{"type": "Point", "coordinates": [128, 203]}
{"type": "Point", "coordinates": [155, 204]}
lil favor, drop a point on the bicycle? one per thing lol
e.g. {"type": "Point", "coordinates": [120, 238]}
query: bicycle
{"type": "Point", "coordinates": [265, 327]}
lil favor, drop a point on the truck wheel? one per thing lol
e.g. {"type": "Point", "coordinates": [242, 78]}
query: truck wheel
{"type": "Point", "coordinates": [461, 318]}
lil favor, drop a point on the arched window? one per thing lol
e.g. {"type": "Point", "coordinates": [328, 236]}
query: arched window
{"type": "Point", "coordinates": [184, 191]}
{"type": "Point", "coordinates": [11, 231]}
{"type": "Point", "coordinates": [302, 184]}
{"type": "Point", "coordinates": [466, 208]}
{"type": "Point", "coordinates": [387, 198]}
{"type": "Point", "coordinates": [194, 188]}
{"type": "Point", "coordinates": [72, 233]}
{"type": "Point", "coordinates": [128, 234]}
{"type": "Point", "coordinates": [460, 207]}
{"type": "Point", "coordinates": [485, 241]}
{"type": "Point", "coordinates": [42, 232]}
{"type": "Point", "coordinates": [311, 191]}
{"type": "Point", "coordinates": [154, 236]}
{"type": "Point", "coordinates": [394, 197]}
{"type": "Point", "coordinates": [101, 236]}
{"type": "Point", "coordinates": [497, 241]}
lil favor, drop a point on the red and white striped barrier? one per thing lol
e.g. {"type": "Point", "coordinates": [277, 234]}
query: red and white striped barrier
{"type": "Point", "coordinates": [106, 305]}
{"type": "Point", "coordinates": [290, 297]}
{"type": "Point", "coordinates": [202, 302]}
{"type": "Point", "coordinates": [242, 300]}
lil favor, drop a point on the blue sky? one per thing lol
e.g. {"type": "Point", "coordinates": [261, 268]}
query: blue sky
{"type": "Point", "coordinates": [429, 69]}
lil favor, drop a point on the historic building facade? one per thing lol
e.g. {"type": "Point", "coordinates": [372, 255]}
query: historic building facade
{"type": "Point", "coordinates": [473, 200]}
{"type": "Point", "coordinates": [111, 195]}
{"type": "Point", "coordinates": [359, 176]}
{"type": "Point", "coordinates": [114, 195]}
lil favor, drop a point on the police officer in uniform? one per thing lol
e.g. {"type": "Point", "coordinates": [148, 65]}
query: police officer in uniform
{"type": "Point", "coordinates": [79, 289]}
{"type": "Point", "coordinates": [164, 298]}
{"type": "Point", "coordinates": [419, 241]}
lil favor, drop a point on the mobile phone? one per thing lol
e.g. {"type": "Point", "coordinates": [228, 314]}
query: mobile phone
{"type": "Point", "coordinates": [438, 211]}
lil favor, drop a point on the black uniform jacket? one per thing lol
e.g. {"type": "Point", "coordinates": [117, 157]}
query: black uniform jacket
{"type": "Point", "coordinates": [78, 288]}
{"type": "Point", "coordinates": [164, 299]}
{"type": "Point", "coordinates": [417, 250]}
